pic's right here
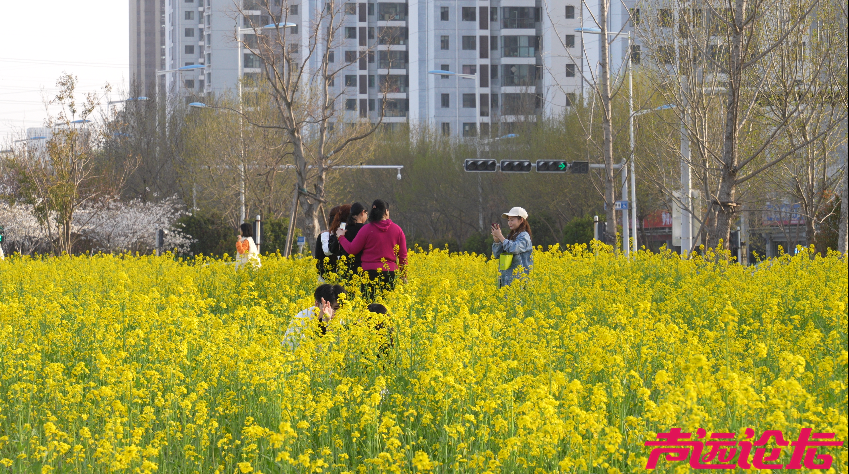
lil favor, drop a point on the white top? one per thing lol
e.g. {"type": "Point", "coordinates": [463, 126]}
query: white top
{"type": "Point", "coordinates": [251, 255]}
{"type": "Point", "coordinates": [295, 331]}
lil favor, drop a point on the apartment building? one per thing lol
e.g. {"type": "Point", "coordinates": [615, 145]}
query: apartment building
{"type": "Point", "coordinates": [147, 44]}
{"type": "Point", "coordinates": [519, 59]}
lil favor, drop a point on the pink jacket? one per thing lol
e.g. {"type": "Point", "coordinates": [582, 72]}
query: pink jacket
{"type": "Point", "coordinates": [377, 242]}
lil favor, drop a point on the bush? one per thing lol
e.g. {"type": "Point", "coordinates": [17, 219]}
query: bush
{"type": "Point", "coordinates": [273, 236]}
{"type": "Point", "coordinates": [578, 231]}
{"type": "Point", "coordinates": [212, 235]}
{"type": "Point", "coordinates": [479, 244]}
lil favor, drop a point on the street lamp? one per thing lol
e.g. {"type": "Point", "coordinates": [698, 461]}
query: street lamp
{"type": "Point", "coordinates": [131, 99]}
{"type": "Point", "coordinates": [439, 72]}
{"type": "Point", "coordinates": [633, 204]}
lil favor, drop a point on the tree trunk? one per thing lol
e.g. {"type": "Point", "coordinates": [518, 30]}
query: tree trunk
{"type": "Point", "coordinates": [604, 79]}
{"type": "Point", "coordinates": [844, 204]}
{"type": "Point", "coordinates": [723, 212]}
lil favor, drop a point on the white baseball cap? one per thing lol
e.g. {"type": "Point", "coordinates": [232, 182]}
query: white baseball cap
{"type": "Point", "coordinates": [516, 212]}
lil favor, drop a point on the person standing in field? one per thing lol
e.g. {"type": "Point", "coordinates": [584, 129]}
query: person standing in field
{"type": "Point", "coordinates": [514, 252]}
{"type": "Point", "coordinates": [384, 250]}
{"type": "Point", "coordinates": [246, 250]}
{"type": "Point", "coordinates": [357, 218]}
{"type": "Point", "coordinates": [322, 249]}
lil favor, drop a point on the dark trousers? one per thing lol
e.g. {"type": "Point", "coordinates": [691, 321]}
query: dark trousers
{"type": "Point", "coordinates": [378, 282]}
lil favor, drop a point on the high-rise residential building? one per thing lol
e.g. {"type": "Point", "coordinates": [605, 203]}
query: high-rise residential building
{"type": "Point", "coordinates": [519, 59]}
{"type": "Point", "coordinates": [147, 44]}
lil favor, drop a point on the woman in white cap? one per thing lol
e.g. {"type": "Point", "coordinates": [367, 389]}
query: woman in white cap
{"type": "Point", "coordinates": [515, 252]}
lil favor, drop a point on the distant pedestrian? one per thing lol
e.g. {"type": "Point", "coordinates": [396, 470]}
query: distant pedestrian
{"type": "Point", "coordinates": [322, 249]}
{"type": "Point", "coordinates": [357, 218]}
{"type": "Point", "coordinates": [384, 250]}
{"type": "Point", "coordinates": [246, 250]}
{"type": "Point", "coordinates": [514, 252]}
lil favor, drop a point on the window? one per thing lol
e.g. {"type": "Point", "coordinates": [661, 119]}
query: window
{"type": "Point", "coordinates": [470, 129]}
{"type": "Point", "coordinates": [190, 32]}
{"type": "Point", "coordinates": [570, 70]}
{"type": "Point", "coordinates": [294, 48]}
{"type": "Point", "coordinates": [350, 56]}
{"type": "Point", "coordinates": [200, 84]}
{"type": "Point", "coordinates": [444, 67]}
{"type": "Point", "coordinates": [494, 73]}
{"type": "Point", "coordinates": [350, 8]}
{"type": "Point", "coordinates": [666, 54]}
{"type": "Point", "coordinates": [393, 84]}
{"type": "Point", "coordinates": [570, 12]}
{"type": "Point", "coordinates": [469, 14]}
{"type": "Point", "coordinates": [520, 104]}
{"type": "Point", "coordinates": [519, 17]}
{"type": "Point", "coordinates": [190, 15]}
{"type": "Point", "coordinates": [469, 43]}
{"type": "Point", "coordinates": [520, 74]}
{"type": "Point", "coordinates": [493, 14]}
{"type": "Point", "coordinates": [444, 42]}
{"type": "Point", "coordinates": [635, 54]}
{"type": "Point", "coordinates": [251, 61]}
{"type": "Point", "coordinates": [190, 1]}
{"type": "Point", "coordinates": [470, 69]}
{"type": "Point", "coordinates": [395, 107]}
{"type": "Point", "coordinates": [189, 63]}
{"type": "Point", "coordinates": [484, 126]}
{"type": "Point", "coordinates": [350, 104]}
{"type": "Point", "coordinates": [371, 9]}
{"type": "Point", "coordinates": [190, 83]}
{"type": "Point", "coordinates": [469, 101]}
{"type": "Point", "coordinates": [392, 12]}
{"type": "Point", "coordinates": [293, 29]}
{"type": "Point", "coordinates": [331, 57]}
{"type": "Point", "coordinates": [350, 80]}
{"type": "Point", "coordinates": [569, 41]}
{"type": "Point", "coordinates": [570, 99]}
{"type": "Point", "coordinates": [446, 129]}
{"type": "Point", "coordinates": [350, 32]}
{"type": "Point", "coordinates": [635, 16]}
{"type": "Point", "coordinates": [494, 99]}
{"type": "Point", "coordinates": [493, 43]}
{"type": "Point", "coordinates": [446, 101]}
{"type": "Point", "coordinates": [371, 105]}
{"type": "Point", "coordinates": [392, 59]}
{"type": "Point", "coordinates": [190, 49]}
{"type": "Point", "coordinates": [371, 81]}
{"type": "Point", "coordinates": [664, 18]}
{"type": "Point", "coordinates": [443, 13]}
{"type": "Point", "coordinates": [392, 35]}
{"type": "Point", "coordinates": [371, 33]}
{"type": "Point", "coordinates": [370, 55]}
{"type": "Point", "coordinates": [293, 9]}
{"type": "Point", "coordinates": [520, 46]}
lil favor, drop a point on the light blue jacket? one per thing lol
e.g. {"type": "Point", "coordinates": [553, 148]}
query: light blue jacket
{"type": "Point", "coordinates": [522, 251]}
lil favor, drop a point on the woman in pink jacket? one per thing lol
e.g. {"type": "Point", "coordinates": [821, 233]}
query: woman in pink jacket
{"type": "Point", "coordinates": [382, 247]}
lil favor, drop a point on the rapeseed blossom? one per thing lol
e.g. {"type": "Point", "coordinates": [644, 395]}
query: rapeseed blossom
{"type": "Point", "coordinates": [161, 365]}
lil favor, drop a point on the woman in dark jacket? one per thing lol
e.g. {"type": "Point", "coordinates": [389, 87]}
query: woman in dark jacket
{"type": "Point", "coordinates": [357, 218]}
{"type": "Point", "coordinates": [325, 260]}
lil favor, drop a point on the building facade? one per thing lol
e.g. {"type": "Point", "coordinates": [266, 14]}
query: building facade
{"type": "Point", "coordinates": [520, 59]}
{"type": "Point", "coordinates": [147, 44]}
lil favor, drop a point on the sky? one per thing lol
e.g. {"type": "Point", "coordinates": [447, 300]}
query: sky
{"type": "Point", "coordinates": [42, 39]}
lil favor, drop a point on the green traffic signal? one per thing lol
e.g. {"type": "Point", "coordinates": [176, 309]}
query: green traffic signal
{"type": "Point", "coordinates": [552, 166]}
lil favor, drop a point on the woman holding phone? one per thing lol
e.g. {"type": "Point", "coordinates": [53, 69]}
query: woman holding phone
{"type": "Point", "coordinates": [383, 247]}
{"type": "Point", "coordinates": [514, 252]}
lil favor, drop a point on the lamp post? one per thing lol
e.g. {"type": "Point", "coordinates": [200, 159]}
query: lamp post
{"type": "Point", "coordinates": [633, 204]}
{"type": "Point", "coordinates": [439, 72]}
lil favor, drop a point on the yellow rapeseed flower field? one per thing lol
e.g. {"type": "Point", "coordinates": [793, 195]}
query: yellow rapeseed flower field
{"type": "Point", "coordinates": [160, 365]}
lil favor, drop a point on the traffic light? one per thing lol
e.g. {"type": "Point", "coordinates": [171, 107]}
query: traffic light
{"type": "Point", "coordinates": [516, 166]}
{"type": "Point", "coordinates": [480, 165]}
{"type": "Point", "coordinates": [552, 166]}
{"type": "Point", "coordinates": [580, 167]}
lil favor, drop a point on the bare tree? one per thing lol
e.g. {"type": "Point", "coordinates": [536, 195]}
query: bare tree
{"type": "Point", "coordinates": [742, 86]}
{"type": "Point", "coordinates": [300, 72]}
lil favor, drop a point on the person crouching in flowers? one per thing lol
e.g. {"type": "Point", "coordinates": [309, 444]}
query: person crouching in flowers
{"type": "Point", "coordinates": [514, 252]}
{"type": "Point", "coordinates": [246, 250]}
{"type": "Point", "coordinates": [314, 320]}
